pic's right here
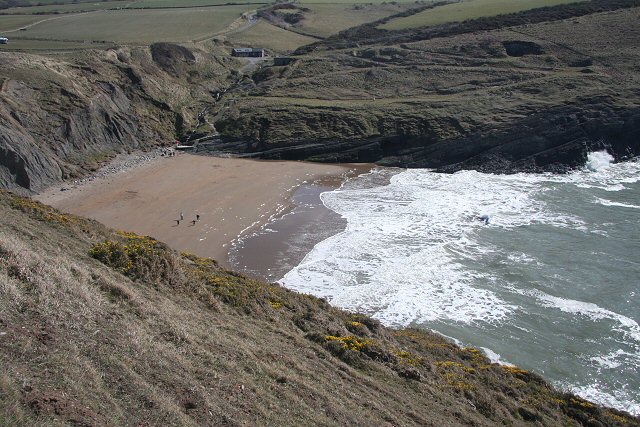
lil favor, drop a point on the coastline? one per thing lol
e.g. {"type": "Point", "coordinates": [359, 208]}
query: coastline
{"type": "Point", "coordinates": [232, 196]}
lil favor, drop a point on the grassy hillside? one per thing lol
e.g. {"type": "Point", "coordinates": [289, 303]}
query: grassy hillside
{"type": "Point", "coordinates": [544, 82]}
{"type": "Point", "coordinates": [99, 327]}
{"type": "Point", "coordinates": [137, 26]}
{"type": "Point", "coordinates": [467, 9]}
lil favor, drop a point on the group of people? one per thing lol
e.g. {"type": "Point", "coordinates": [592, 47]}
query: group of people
{"type": "Point", "coordinates": [193, 221]}
{"type": "Point", "coordinates": [168, 152]}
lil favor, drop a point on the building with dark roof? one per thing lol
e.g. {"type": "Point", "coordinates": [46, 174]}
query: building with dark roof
{"type": "Point", "coordinates": [248, 52]}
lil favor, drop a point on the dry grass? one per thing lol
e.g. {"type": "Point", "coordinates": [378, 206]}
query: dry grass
{"type": "Point", "coordinates": [82, 343]}
{"type": "Point", "coordinates": [325, 19]}
{"type": "Point", "coordinates": [12, 23]}
{"type": "Point", "coordinates": [464, 10]}
{"type": "Point", "coordinates": [269, 36]}
{"type": "Point", "coordinates": [139, 26]}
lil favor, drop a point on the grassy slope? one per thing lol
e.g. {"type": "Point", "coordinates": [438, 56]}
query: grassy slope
{"type": "Point", "coordinates": [12, 23]}
{"type": "Point", "coordinates": [325, 19]}
{"type": "Point", "coordinates": [269, 36]}
{"type": "Point", "coordinates": [443, 87]}
{"type": "Point", "coordinates": [63, 8]}
{"type": "Point", "coordinates": [161, 339]}
{"type": "Point", "coordinates": [139, 26]}
{"type": "Point", "coordinates": [469, 9]}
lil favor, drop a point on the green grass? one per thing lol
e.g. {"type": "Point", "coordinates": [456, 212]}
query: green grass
{"type": "Point", "coordinates": [347, 2]}
{"type": "Point", "coordinates": [326, 19]}
{"type": "Point", "coordinates": [45, 46]}
{"type": "Point", "coordinates": [271, 37]}
{"type": "Point", "coordinates": [188, 3]}
{"type": "Point", "coordinates": [469, 9]}
{"type": "Point", "coordinates": [12, 23]}
{"type": "Point", "coordinates": [139, 26]}
{"type": "Point", "coordinates": [65, 8]}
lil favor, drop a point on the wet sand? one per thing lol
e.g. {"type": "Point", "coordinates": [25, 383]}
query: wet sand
{"type": "Point", "coordinates": [232, 197]}
{"type": "Point", "coordinates": [291, 236]}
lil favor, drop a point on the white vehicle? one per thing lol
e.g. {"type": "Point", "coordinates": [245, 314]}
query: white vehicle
{"type": "Point", "coordinates": [4, 40]}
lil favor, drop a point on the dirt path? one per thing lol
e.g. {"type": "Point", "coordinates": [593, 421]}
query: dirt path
{"type": "Point", "coordinates": [244, 22]}
{"type": "Point", "coordinates": [24, 27]}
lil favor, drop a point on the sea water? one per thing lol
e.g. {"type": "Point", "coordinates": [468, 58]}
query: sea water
{"type": "Point", "coordinates": [551, 283]}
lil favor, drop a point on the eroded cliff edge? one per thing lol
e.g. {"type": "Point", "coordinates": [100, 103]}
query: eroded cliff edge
{"type": "Point", "coordinates": [63, 115]}
{"type": "Point", "coordinates": [533, 91]}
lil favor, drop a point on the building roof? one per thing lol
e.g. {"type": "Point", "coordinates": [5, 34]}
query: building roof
{"type": "Point", "coordinates": [248, 49]}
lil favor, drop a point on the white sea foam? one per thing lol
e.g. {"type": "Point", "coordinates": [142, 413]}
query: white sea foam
{"type": "Point", "coordinates": [605, 202]}
{"type": "Point", "coordinates": [399, 257]}
{"type": "Point", "coordinates": [413, 248]}
{"type": "Point", "coordinates": [494, 357]}
{"type": "Point", "coordinates": [627, 326]}
{"type": "Point", "coordinates": [598, 161]}
{"type": "Point", "coordinates": [620, 399]}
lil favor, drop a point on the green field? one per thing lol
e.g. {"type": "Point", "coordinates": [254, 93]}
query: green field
{"type": "Point", "coordinates": [269, 36]}
{"type": "Point", "coordinates": [347, 2]}
{"type": "Point", "coordinates": [118, 4]}
{"type": "Point", "coordinates": [138, 26]}
{"type": "Point", "coordinates": [44, 46]}
{"type": "Point", "coordinates": [13, 23]}
{"type": "Point", "coordinates": [64, 8]}
{"type": "Point", "coordinates": [188, 3]}
{"type": "Point", "coordinates": [326, 19]}
{"type": "Point", "coordinates": [469, 9]}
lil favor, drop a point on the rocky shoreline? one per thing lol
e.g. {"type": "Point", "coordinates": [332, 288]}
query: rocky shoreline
{"type": "Point", "coordinates": [556, 140]}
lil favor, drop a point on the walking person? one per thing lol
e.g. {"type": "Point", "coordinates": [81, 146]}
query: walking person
{"type": "Point", "coordinates": [181, 216]}
{"type": "Point", "coordinates": [197, 217]}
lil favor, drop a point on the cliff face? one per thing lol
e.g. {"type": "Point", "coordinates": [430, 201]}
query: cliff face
{"type": "Point", "coordinates": [528, 92]}
{"type": "Point", "coordinates": [99, 327]}
{"type": "Point", "coordinates": [62, 116]}
{"type": "Point", "coordinates": [529, 97]}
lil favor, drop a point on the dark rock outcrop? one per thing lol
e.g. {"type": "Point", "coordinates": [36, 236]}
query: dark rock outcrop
{"type": "Point", "coordinates": [63, 118]}
{"type": "Point", "coordinates": [555, 140]}
{"type": "Point", "coordinates": [520, 48]}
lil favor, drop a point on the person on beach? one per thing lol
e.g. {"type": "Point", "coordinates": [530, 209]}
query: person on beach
{"type": "Point", "coordinates": [193, 222]}
{"type": "Point", "coordinates": [177, 221]}
{"type": "Point", "coordinates": [197, 217]}
{"type": "Point", "coordinates": [181, 215]}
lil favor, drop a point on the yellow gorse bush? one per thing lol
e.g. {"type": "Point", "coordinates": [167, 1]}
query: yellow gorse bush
{"type": "Point", "coordinates": [128, 257]}
{"type": "Point", "coordinates": [350, 342]}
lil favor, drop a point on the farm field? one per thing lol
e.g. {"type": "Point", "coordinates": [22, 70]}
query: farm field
{"type": "Point", "coordinates": [189, 3]}
{"type": "Point", "coordinates": [13, 23]}
{"type": "Point", "coordinates": [49, 46]}
{"type": "Point", "coordinates": [470, 9]}
{"type": "Point", "coordinates": [139, 26]}
{"type": "Point", "coordinates": [347, 2]}
{"type": "Point", "coordinates": [269, 36]}
{"type": "Point", "coordinates": [326, 19]}
{"type": "Point", "coordinates": [64, 8]}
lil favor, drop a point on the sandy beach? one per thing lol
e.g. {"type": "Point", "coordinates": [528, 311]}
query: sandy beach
{"type": "Point", "coordinates": [232, 197]}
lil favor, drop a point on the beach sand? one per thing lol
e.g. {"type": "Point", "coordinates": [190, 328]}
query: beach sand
{"type": "Point", "coordinates": [232, 197]}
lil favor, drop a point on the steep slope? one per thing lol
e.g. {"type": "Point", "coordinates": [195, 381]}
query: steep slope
{"type": "Point", "coordinates": [64, 115]}
{"type": "Point", "coordinates": [109, 328]}
{"type": "Point", "coordinates": [536, 92]}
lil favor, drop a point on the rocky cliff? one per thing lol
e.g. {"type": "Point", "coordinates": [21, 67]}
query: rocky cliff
{"type": "Point", "coordinates": [61, 116]}
{"type": "Point", "coordinates": [521, 97]}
